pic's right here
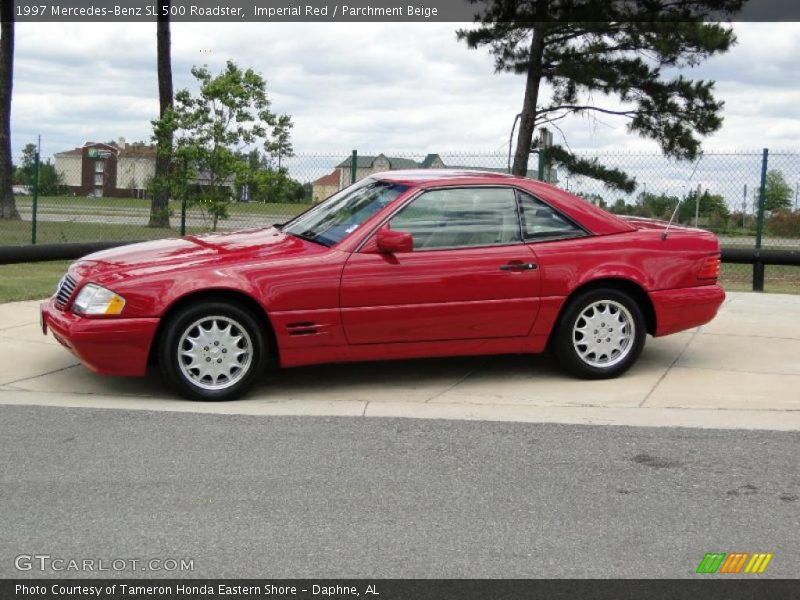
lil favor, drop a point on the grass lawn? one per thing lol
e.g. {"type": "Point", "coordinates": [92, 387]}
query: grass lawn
{"type": "Point", "coordinates": [30, 281]}
{"type": "Point", "coordinates": [14, 233]}
{"type": "Point", "coordinates": [778, 279]}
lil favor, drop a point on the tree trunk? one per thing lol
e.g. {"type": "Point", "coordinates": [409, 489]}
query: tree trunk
{"type": "Point", "coordinates": [527, 122]}
{"type": "Point", "coordinates": [159, 206]}
{"type": "Point", "coordinates": [8, 206]}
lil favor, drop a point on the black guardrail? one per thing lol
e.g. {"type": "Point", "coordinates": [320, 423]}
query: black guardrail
{"type": "Point", "coordinates": [42, 252]}
{"type": "Point", "coordinates": [759, 258]}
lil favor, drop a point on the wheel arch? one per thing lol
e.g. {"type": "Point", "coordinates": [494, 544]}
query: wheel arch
{"type": "Point", "coordinates": [632, 288]}
{"type": "Point", "coordinates": [221, 295]}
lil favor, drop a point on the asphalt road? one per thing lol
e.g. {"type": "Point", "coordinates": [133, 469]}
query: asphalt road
{"type": "Point", "coordinates": [348, 497]}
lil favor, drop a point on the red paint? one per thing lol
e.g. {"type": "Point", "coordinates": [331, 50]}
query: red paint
{"type": "Point", "coordinates": [107, 346]}
{"type": "Point", "coordinates": [354, 302]}
{"type": "Point", "coordinates": [677, 310]}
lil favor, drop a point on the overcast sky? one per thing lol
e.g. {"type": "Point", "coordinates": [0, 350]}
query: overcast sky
{"type": "Point", "coordinates": [375, 87]}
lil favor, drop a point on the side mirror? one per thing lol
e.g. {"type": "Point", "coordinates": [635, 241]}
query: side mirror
{"type": "Point", "coordinates": [392, 242]}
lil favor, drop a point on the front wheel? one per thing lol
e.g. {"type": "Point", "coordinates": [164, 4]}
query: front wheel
{"type": "Point", "coordinates": [212, 351]}
{"type": "Point", "coordinates": [600, 334]}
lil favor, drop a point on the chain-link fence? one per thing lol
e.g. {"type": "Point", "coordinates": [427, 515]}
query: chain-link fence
{"type": "Point", "coordinates": [103, 192]}
{"type": "Point", "coordinates": [96, 194]}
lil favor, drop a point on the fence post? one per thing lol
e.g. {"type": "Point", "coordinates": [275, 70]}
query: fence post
{"type": "Point", "coordinates": [353, 167]}
{"type": "Point", "coordinates": [184, 192]}
{"type": "Point", "coordinates": [35, 203]}
{"type": "Point", "coordinates": [758, 266]}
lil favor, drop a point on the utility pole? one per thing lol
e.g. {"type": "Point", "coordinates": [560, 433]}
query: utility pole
{"type": "Point", "coordinates": [545, 141]}
{"type": "Point", "coordinates": [744, 206]}
{"type": "Point", "coordinates": [697, 206]}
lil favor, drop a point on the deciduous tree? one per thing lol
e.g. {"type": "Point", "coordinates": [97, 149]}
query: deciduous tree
{"type": "Point", "coordinates": [777, 193]}
{"type": "Point", "coordinates": [711, 205]}
{"type": "Point", "coordinates": [212, 130]}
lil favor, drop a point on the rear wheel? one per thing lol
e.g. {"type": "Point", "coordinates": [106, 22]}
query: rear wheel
{"type": "Point", "coordinates": [212, 351]}
{"type": "Point", "coordinates": [601, 334]}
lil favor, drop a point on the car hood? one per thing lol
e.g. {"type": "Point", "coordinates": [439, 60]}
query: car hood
{"type": "Point", "coordinates": [159, 256]}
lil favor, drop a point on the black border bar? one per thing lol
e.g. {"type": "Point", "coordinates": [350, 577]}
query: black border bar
{"type": "Point", "coordinates": [705, 587]}
{"type": "Point", "coordinates": [264, 11]}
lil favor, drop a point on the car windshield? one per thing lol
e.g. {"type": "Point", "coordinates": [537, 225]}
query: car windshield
{"type": "Point", "coordinates": [344, 212]}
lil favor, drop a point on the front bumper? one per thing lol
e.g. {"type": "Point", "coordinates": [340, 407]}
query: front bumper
{"type": "Point", "coordinates": [111, 346]}
{"type": "Point", "coordinates": [684, 308]}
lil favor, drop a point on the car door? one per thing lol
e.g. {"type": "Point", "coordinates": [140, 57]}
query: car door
{"type": "Point", "coordinates": [468, 277]}
{"type": "Point", "coordinates": [563, 248]}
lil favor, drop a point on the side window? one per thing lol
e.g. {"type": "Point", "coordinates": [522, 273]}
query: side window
{"type": "Point", "coordinates": [541, 222]}
{"type": "Point", "coordinates": [460, 218]}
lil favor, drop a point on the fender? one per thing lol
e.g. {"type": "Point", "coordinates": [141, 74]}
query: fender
{"type": "Point", "coordinates": [153, 296]}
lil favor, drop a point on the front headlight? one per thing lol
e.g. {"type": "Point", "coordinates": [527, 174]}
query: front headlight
{"type": "Point", "coordinates": [96, 300]}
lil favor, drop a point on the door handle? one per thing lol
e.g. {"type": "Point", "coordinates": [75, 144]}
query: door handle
{"type": "Point", "coordinates": [518, 266]}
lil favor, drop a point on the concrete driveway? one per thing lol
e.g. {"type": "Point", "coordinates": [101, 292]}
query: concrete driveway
{"type": "Point", "coordinates": [740, 371]}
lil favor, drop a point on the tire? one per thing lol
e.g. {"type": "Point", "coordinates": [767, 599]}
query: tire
{"type": "Point", "coordinates": [618, 324]}
{"type": "Point", "coordinates": [200, 369]}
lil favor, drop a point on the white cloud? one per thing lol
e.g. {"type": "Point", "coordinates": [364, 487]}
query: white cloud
{"type": "Point", "coordinates": [372, 86]}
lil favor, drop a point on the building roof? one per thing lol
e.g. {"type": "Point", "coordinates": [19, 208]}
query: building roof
{"type": "Point", "coordinates": [428, 161]}
{"type": "Point", "coordinates": [329, 179]}
{"type": "Point", "coordinates": [366, 162]}
{"type": "Point", "coordinates": [79, 150]}
{"type": "Point", "coordinates": [129, 151]}
{"type": "Point", "coordinates": [138, 151]}
{"type": "Point", "coordinates": [73, 152]}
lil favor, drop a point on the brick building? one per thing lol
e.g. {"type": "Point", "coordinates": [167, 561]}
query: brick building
{"type": "Point", "coordinates": [117, 169]}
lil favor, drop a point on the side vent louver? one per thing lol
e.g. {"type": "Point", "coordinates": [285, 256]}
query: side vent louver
{"type": "Point", "coordinates": [302, 328]}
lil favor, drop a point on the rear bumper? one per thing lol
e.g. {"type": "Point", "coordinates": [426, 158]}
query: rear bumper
{"type": "Point", "coordinates": [107, 346]}
{"type": "Point", "coordinates": [680, 309]}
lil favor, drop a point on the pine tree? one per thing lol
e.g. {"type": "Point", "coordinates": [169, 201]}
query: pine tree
{"type": "Point", "coordinates": [591, 50]}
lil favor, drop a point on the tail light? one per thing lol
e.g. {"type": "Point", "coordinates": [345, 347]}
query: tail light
{"type": "Point", "coordinates": [710, 268]}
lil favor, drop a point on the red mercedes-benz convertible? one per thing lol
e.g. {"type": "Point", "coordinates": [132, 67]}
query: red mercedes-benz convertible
{"type": "Point", "coordinates": [402, 264]}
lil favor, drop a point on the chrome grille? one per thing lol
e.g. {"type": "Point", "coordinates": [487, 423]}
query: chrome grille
{"type": "Point", "coordinates": [65, 288]}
